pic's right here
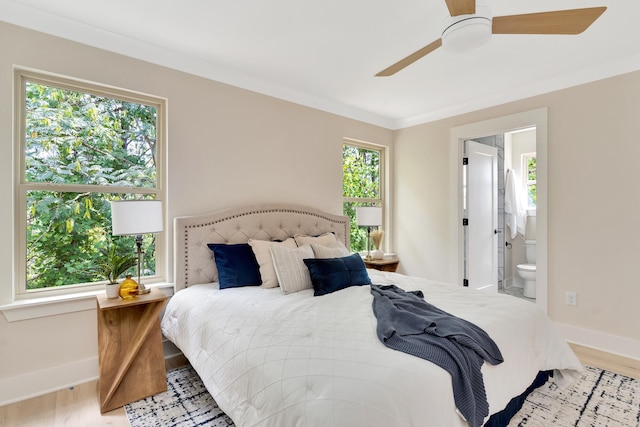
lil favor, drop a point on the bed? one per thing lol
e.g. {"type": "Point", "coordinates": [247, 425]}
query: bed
{"type": "Point", "coordinates": [275, 359]}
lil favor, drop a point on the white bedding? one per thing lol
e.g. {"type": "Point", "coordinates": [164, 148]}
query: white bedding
{"type": "Point", "coordinates": [270, 359]}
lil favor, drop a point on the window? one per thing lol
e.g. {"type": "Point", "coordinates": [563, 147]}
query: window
{"type": "Point", "coordinates": [529, 169]}
{"type": "Point", "coordinates": [80, 145]}
{"type": "Point", "coordinates": [362, 166]}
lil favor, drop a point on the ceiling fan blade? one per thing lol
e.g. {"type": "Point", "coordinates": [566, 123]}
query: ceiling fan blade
{"type": "Point", "coordinates": [461, 7]}
{"type": "Point", "coordinates": [405, 62]}
{"type": "Point", "coordinates": [572, 21]}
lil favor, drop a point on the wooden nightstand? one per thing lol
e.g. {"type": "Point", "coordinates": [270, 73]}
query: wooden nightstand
{"type": "Point", "coordinates": [390, 264]}
{"type": "Point", "coordinates": [130, 355]}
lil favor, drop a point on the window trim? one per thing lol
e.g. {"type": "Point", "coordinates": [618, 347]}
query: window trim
{"type": "Point", "coordinates": [526, 182]}
{"type": "Point", "coordinates": [383, 158]}
{"type": "Point", "coordinates": [382, 199]}
{"type": "Point", "coordinates": [34, 308]}
{"type": "Point", "coordinates": [70, 292]}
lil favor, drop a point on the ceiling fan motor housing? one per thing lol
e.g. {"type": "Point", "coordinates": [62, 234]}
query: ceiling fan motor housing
{"type": "Point", "coordinates": [463, 33]}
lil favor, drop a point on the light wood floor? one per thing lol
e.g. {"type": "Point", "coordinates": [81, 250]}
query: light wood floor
{"type": "Point", "coordinates": [78, 406]}
{"type": "Point", "coordinates": [72, 407]}
{"type": "Point", "coordinates": [607, 361]}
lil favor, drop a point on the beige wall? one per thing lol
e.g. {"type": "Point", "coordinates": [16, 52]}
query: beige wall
{"type": "Point", "coordinates": [593, 202]}
{"type": "Point", "coordinates": [226, 147]}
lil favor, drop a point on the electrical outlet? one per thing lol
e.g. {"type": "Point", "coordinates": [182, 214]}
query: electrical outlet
{"type": "Point", "coordinates": [571, 298]}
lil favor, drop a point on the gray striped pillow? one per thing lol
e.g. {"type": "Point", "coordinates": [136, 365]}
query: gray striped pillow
{"type": "Point", "coordinates": [293, 274]}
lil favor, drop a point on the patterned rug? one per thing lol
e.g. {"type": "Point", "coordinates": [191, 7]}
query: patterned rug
{"type": "Point", "coordinates": [186, 403]}
{"type": "Point", "coordinates": [599, 399]}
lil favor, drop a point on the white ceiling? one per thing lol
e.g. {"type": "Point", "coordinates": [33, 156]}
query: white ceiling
{"type": "Point", "coordinates": [324, 53]}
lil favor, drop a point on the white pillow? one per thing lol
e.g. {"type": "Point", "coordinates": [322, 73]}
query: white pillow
{"type": "Point", "coordinates": [293, 274]}
{"type": "Point", "coordinates": [325, 239]}
{"type": "Point", "coordinates": [336, 250]}
{"type": "Point", "coordinates": [265, 261]}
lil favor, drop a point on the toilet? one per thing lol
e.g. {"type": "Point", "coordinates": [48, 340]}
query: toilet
{"type": "Point", "coordinates": [527, 272]}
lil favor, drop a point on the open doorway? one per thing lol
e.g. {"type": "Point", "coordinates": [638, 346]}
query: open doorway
{"type": "Point", "coordinates": [520, 240]}
{"type": "Point", "coordinates": [506, 249]}
{"type": "Point", "coordinates": [503, 125]}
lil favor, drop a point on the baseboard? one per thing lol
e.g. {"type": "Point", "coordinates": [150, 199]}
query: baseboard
{"type": "Point", "coordinates": [170, 350]}
{"type": "Point", "coordinates": [33, 384]}
{"type": "Point", "coordinates": [600, 341]}
{"type": "Point", "coordinates": [513, 283]}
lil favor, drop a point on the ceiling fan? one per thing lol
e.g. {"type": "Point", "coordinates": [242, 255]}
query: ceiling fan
{"type": "Point", "coordinates": [471, 25]}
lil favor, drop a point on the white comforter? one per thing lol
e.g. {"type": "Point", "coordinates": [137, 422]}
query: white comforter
{"type": "Point", "coordinates": [270, 359]}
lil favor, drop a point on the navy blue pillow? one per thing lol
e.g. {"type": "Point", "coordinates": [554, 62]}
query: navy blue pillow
{"type": "Point", "coordinates": [332, 274]}
{"type": "Point", "coordinates": [237, 265]}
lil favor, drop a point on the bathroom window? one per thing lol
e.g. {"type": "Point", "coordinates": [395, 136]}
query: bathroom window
{"type": "Point", "coordinates": [529, 168]}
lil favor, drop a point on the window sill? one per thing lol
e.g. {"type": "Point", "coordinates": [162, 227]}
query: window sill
{"type": "Point", "coordinates": [61, 304]}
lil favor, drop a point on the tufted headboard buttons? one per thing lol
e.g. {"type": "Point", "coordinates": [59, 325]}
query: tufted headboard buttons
{"type": "Point", "coordinates": [193, 260]}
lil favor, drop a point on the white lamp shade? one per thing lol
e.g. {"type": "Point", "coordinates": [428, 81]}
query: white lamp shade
{"type": "Point", "coordinates": [368, 216]}
{"type": "Point", "coordinates": [133, 217]}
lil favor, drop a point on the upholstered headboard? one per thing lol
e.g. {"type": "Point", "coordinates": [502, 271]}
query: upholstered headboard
{"type": "Point", "coordinates": [194, 261]}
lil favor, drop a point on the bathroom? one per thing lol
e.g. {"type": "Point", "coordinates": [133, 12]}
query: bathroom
{"type": "Point", "coordinates": [516, 205]}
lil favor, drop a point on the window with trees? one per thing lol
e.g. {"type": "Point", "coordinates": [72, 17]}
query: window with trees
{"type": "Point", "coordinates": [362, 166]}
{"type": "Point", "coordinates": [79, 146]}
{"type": "Point", "coordinates": [529, 168]}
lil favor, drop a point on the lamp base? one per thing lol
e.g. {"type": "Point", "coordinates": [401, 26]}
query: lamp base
{"type": "Point", "coordinates": [142, 289]}
{"type": "Point", "coordinates": [377, 254]}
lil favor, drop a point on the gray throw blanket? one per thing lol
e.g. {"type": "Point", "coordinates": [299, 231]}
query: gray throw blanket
{"type": "Point", "coordinates": [406, 322]}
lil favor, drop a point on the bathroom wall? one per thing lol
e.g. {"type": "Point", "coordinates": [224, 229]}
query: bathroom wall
{"type": "Point", "coordinates": [517, 144]}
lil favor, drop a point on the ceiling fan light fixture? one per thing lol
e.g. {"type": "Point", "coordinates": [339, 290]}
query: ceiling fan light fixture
{"type": "Point", "coordinates": [468, 32]}
{"type": "Point", "coordinates": [465, 31]}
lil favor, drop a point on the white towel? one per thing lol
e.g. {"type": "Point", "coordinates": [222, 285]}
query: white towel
{"type": "Point", "coordinates": [515, 213]}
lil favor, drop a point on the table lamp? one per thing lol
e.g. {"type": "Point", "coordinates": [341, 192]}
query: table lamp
{"type": "Point", "coordinates": [368, 216]}
{"type": "Point", "coordinates": [135, 218]}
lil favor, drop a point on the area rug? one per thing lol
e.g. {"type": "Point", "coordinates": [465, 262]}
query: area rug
{"type": "Point", "coordinates": [598, 399]}
{"type": "Point", "coordinates": [186, 403]}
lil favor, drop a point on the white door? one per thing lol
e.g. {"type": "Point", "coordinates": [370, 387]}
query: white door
{"type": "Point", "coordinates": [482, 214]}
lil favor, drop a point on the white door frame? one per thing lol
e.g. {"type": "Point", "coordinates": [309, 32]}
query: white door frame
{"type": "Point", "coordinates": [537, 118]}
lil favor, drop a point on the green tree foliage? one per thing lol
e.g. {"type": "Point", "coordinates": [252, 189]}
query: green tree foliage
{"type": "Point", "coordinates": [83, 147]}
{"type": "Point", "coordinates": [531, 178]}
{"type": "Point", "coordinates": [361, 187]}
